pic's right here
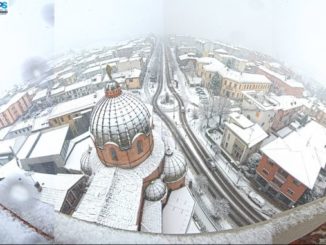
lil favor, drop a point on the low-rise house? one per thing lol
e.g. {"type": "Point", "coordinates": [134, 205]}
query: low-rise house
{"type": "Point", "coordinates": [291, 165]}
{"type": "Point", "coordinates": [241, 137]}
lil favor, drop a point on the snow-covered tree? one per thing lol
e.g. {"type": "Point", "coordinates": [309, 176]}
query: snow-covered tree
{"type": "Point", "coordinates": [220, 208]}
{"type": "Point", "coordinates": [218, 106]}
{"type": "Point", "coordinates": [215, 84]}
{"type": "Point", "coordinates": [190, 69]}
{"type": "Point", "coordinates": [221, 107]}
{"type": "Point", "coordinates": [253, 161]}
{"type": "Point", "coordinates": [201, 183]}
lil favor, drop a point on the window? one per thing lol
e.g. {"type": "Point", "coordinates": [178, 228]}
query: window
{"type": "Point", "coordinates": [265, 172]}
{"type": "Point", "coordinates": [114, 154]}
{"type": "Point", "coordinates": [226, 144]}
{"type": "Point", "coordinates": [296, 182]}
{"type": "Point", "coordinates": [277, 182]}
{"type": "Point", "coordinates": [271, 163]}
{"type": "Point", "coordinates": [228, 136]}
{"type": "Point", "coordinates": [290, 192]}
{"type": "Point", "coordinates": [283, 173]}
{"type": "Point", "coordinates": [139, 146]}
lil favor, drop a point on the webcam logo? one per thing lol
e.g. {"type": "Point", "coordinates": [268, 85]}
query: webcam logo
{"type": "Point", "coordinates": [3, 7]}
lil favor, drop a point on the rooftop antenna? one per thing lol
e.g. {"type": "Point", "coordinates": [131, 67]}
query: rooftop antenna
{"type": "Point", "coordinates": [14, 154]}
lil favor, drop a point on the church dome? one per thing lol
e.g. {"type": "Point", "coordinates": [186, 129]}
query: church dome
{"type": "Point", "coordinates": [118, 117]}
{"type": "Point", "coordinates": [85, 164]}
{"type": "Point", "coordinates": [155, 191]}
{"type": "Point", "coordinates": [175, 166]}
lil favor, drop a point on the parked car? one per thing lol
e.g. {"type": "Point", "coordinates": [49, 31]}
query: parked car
{"type": "Point", "coordinates": [258, 200]}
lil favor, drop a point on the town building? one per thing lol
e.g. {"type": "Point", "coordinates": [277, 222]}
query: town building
{"type": "Point", "coordinates": [46, 151]}
{"type": "Point", "coordinates": [74, 112]}
{"type": "Point", "coordinates": [232, 82]}
{"type": "Point", "coordinates": [126, 64]}
{"type": "Point", "coordinates": [128, 166]}
{"type": "Point", "coordinates": [132, 80]}
{"type": "Point", "coordinates": [14, 108]}
{"type": "Point", "coordinates": [291, 165]}
{"type": "Point", "coordinates": [271, 112]}
{"type": "Point", "coordinates": [282, 85]}
{"type": "Point", "coordinates": [241, 138]}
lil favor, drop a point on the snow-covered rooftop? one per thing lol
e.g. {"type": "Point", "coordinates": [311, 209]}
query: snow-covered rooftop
{"type": "Point", "coordinates": [28, 146]}
{"type": "Point", "coordinates": [95, 68]}
{"type": "Point", "coordinates": [249, 132]}
{"type": "Point", "coordinates": [58, 90]}
{"type": "Point", "coordinates": [113, 198]}
{"type": "Point", "coordinates": [178, 211]}
{"type": "Point", "coordinates": [76, 148]}
{"type": "Point", "coordinates": [290, 82]}
{"type": "Point", "coordinates": [134, 73]}
{"type": "Point", "coordinates": [22, 124]}
{"type": "Point", "coordinates": [78, 85]}
{"type": "Point", "coordinates": [302, 153]}
{"type": "Point", "coordinates": [152, 217]}
{"type": "Point", "coordinates": [4, 132]}
{"type": "Point", "coordinates": [214, 65]}
{"type": "Point", "coordinates": [40, 94]}
{"type": "Point", "coordinates": [55, 187]}
{"type": "Point", "coordinates": [75, 105]}
{"type": "Point", "coordinates": [40, 122]}
{"type": "Point", "coordinates": [67, 75]}
{"type": "Point", "coordinates": [13, 100]}
{"type": "Point", "coordinates": [50, 142]}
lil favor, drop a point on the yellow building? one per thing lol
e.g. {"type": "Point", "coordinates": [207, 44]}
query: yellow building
{"type": "Point", "coordinates": [233, 82]}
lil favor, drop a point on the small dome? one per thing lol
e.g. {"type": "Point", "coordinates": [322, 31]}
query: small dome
{"type": "Point", "coordinates": [155, 191]}
{"type": "Point", "coordinates": [85, 164]}
{"type": "Point", "coordinates": [175, 166]}
{"type": "Point", "coordinates": [118, 119]}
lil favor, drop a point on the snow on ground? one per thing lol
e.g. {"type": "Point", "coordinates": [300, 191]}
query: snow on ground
{"type": "Point", "coordinates": [12, 230]}
{"type": "Point", "coordinates": [238, 180]}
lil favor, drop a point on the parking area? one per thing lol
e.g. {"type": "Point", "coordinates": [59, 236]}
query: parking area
{"type": "Point", "coordinates": [202, 94]}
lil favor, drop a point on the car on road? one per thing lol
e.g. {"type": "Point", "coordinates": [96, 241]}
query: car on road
{"type": "Point", "coordinates": [258, 200]}
{"type": "Point", "coordinates": [211, 164]}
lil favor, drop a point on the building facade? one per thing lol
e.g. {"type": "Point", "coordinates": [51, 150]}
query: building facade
{"type": "Point", "coordinates": [14, 109]}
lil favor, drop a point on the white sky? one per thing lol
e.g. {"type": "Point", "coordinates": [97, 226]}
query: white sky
{"type": "Point", "coordinates": [290, 30]}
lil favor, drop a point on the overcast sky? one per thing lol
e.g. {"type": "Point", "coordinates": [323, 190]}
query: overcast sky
{"type": "Point", "coordinates": [290, 30]}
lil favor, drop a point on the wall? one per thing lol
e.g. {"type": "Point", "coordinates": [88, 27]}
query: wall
{"type": "Point", "coordinates": [126, 158]}
{"type": "Point", "coordinates": [288, 182]}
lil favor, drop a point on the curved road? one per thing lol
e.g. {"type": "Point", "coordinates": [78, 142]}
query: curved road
{"type": "Point", "coordinates": [242, 213]}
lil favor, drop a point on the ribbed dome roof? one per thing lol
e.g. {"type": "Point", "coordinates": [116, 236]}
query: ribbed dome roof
{"type": "Point", "coordinates": [118, 117]}
{"type": "Point", "coordinates": [155, 191]}
{"type": "Point", "coordinates": [175, 166]}
{"type": "Point", "coordinates": [85, 164]}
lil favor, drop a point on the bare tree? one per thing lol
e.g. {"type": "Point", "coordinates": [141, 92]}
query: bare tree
{"type": "Point", "coordinates": [221, 208]}
{"type": "Point", "coordinates": [221, 107]}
